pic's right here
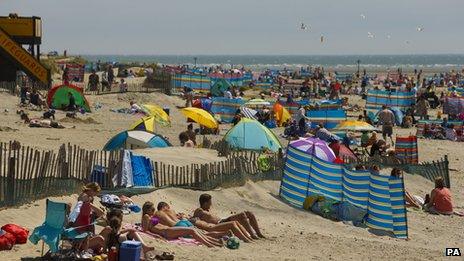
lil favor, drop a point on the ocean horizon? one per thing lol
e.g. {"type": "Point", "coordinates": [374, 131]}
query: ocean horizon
{"type": "Point", "coordinates": [419, 61]}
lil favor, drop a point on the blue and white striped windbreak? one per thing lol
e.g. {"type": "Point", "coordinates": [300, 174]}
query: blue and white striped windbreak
{"type": "Point", "coordinates": [382, 196]}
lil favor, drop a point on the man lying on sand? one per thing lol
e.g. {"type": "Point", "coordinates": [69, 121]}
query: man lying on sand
{"type": "Point", "coordinates": [246, 218]}
{"type": "Point", "coordinates": [151, 223]}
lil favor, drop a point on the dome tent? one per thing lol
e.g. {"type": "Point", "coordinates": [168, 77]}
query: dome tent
{"type": "Point", "coordinates": [58, 97]}
{"type": "Point", "coordinates": [136, 139]}
{"type": "Point", "coordinates": [249, 134]}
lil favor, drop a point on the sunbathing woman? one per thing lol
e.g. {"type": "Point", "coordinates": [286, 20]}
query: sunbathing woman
{"type": "Point", "coordinates": [152, 224]}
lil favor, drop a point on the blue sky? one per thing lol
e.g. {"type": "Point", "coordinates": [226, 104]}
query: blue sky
{"type": "Point", "coordinates": [246, 26]}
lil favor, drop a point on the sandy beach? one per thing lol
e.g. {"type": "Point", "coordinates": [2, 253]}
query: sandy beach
{"type": "Point", "coordinates": [293, 234]}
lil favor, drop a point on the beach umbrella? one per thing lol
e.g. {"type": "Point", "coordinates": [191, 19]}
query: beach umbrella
{"type": "Point", "coordinates": [160, 116]}
{"type": "Point", "coordinates": [144, 124]}
{"type": "Point", "coordinates": [351, 125]}
{"type": "Point", "coordinates": [135, 139]}
{"type": "Point", "coordinates": [315, 147]}
{"type": "Point", "coordinates": [200, 116]}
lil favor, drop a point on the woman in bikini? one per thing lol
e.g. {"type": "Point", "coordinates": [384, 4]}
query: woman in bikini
{"type": "Point", "coordinates": [152, 224]}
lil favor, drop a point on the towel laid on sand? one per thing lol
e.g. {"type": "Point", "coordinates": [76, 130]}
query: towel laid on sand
{"type": "Point", "coordinates": [179, 241]}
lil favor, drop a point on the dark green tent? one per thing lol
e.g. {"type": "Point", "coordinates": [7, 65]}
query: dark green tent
{"type": "Point", "coordinates": [219, 87]}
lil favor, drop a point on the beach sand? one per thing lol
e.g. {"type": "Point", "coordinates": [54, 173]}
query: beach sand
{"type": "Point", "coordinates": [293, 234]}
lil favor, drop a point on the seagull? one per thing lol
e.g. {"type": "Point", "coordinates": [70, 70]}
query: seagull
{"type": "Point", "coordinates": [304, 27]}
{"type": "Point", "coordinates": [420, 29]}
{"type": "Point", "coordinates": [362, 16]}
{"type": "Point", "coordinates": [370, 35]}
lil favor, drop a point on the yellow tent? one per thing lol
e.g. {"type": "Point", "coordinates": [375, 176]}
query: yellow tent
{"type": "Point", "coordinates": [281, 114]}
{"type": "Point", "coordinates": [158, 113]}
{"type": "Point", "coordinates": [144, 124]}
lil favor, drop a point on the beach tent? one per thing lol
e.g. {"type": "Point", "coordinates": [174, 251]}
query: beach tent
{"type": "Point", "coordinates": [380, 196]}
{"type": "Point", "coordinates": [58, 97]}
{"type": "Point", "coordinates": [219, 87]}
{"type": "Point", "coordinates": [281, 114]}
{"type": "Point", "coordinates": [144, 124]}
{"type": "Point", "coordinates": [203, 103]}
{"type": "Point", "coordinates": [136, 139]}
{"type": "Point", "coordinates": [249, 134]}
{"type": "Point", "coordinates": [160, 116]}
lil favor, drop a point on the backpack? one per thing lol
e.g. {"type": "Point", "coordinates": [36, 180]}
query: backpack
{"type": "Point", "coordinates": [21, 234]}
{"type": "Point", "coordinates": [7, 240]}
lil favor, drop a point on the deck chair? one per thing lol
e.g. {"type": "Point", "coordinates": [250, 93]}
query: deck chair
{"type": "Point", "coordinates": [53, 231]}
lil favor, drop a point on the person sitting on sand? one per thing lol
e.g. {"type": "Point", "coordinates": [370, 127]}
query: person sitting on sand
{"type": "Point", "coordinates": [50, 114]}
{"type": "Point", "coordinates": [439, 201]}
{"type": "Point", "coordinates": [151, 223]}
{"type": "Point", "coordinates": [246, 218]}
{"type": "Point", "coordinates": [71, 102]}
{"type": "Point", "coordinates": [134, 107]}
{"type": "Point", "coordinates": [185, 141]}
{"type": "Point", "coordinates": [114, 235]}
{"type": "Point", "coordinates": [85, 211]}
{"type": "Point", "coordinates": [191, 134]}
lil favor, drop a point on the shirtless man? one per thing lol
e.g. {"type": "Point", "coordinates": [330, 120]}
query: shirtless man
{"type": "Point", "coordinates": [246, 218]}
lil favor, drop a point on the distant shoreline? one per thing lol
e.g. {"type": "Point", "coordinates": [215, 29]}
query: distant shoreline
{"type": "Point", "coordinates": [343, 63]}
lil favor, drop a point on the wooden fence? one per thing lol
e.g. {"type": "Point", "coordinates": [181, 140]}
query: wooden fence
{"type": "Point", "coordinates": [28, 174]}
{"type": "Point", "coordinates": [429, 170]}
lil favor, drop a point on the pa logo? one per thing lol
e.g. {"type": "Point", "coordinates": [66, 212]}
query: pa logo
{"type": "Point", "coordinates": [453, 251]}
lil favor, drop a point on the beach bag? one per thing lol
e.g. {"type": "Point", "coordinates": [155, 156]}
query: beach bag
{"type": "Point", "coordinates": [21, 234]}
{"type": "Point", "coordinates": [7, 240]}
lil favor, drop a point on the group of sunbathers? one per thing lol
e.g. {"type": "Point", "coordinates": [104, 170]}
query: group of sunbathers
{"type": "Point", "coordinates": [203, 226]}
{"type": "Point", "coordinates": [162, 222]}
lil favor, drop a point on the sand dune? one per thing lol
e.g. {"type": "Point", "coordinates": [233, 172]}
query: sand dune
{"type": "Point", "coordinates": [293, 234]}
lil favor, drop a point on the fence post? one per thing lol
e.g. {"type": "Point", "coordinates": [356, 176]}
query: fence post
{"type": "Point", "coordinates": [10, 189]}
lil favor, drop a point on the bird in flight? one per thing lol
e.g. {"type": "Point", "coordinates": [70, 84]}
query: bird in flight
{"type": "Point", "coordinates": [420, 29]}
{"type": "Point", "coordinates": [363, 16]}
{"type": "Point", "coordinates": [304, 27]}
{"type": "Point", "coordinates": [370, 35]}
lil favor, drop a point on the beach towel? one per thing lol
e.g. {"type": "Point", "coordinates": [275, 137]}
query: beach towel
{"type": "Point", "coordinates": [179, 241]}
